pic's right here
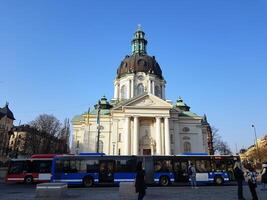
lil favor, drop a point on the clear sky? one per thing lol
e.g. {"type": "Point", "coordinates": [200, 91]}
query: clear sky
{"type": "Point", "coordinates": [59, 57]}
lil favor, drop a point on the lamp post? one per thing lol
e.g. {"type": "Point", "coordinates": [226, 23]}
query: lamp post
{"type": "Point", "coordinates": [97, 107]}
{"type": "Point", "coordinates": [256, 143]}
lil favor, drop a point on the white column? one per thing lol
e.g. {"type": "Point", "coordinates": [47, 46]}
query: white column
{"type": "Point", "coordinates": [135, 137]}
{"type": "Point", "coordinates": [132, 89]}
{"type": "Point", "coordinates": [126, 138]}
{"type": "Point", "coordinates": [153, 87]}
{"type": "Point", "coordinates": [116, 94]}
{"type": "Point", "coordinates": [158, 140]}
{"type": "Point", "coordinates": [167, 136]}
{"type": "Point", "coordinates": [149, 86]}
{"type": "Point", "coordinates": [129, 89]}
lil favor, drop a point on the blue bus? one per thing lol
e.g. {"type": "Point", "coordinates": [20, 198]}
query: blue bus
{"type": "Point", "coordinates": [89, 170]}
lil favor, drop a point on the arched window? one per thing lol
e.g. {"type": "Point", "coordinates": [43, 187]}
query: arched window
{"type": "Point", "coordinates": [187, 147]}
{"type": "Point", "coordinates": [140, 89]}
{"type": "Point", "coordinates": [157, 91]}
{"type": "Point", "coordinates": [123, 92]}
{"type": "Point", "coordinates": [101, 146]}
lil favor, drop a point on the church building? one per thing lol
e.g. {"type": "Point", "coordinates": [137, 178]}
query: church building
{"type": "Point", "coordinates": [139, 120]}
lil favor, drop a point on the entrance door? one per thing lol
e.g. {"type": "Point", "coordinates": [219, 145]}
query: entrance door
{"type": "Point", "coordinates": [106, 171]}
{"type": "Point", "coordinates": [180, 169]}
{"type": "Point", "coordinates": [146, 152]}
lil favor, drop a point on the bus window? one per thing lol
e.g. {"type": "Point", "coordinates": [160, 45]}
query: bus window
{"type": "Point", "coordinates": [40, 166]}
{"type": "Point", "coordinates": [59, 166]}
{"type": "Point", "coordinates": [16, 167]}
{"type": "Point", "coordinates": [89, 166]}
{"type": "Point", "coordinates": [203, 166]}
{"type": "Point", "coordinates": [74, 166]}
{"type": "Point", "coordinates": [162, 165]}
{"type": "Point", "coordinates": [126, 165]}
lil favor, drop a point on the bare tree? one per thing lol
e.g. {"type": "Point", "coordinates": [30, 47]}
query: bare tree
{"type": "Point", "coordinates": [47, 124]}
{"type": "Point", "coordinates": [49, 128]}
{"type": "Point", "coordinates": [220, 146]}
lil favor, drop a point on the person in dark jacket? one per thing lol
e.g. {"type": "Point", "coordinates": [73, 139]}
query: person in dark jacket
{"type": "Point", "coordinates": [264, 176]}
{"type": "Point", "coordinates": [252, 182]}
{"type": "Point", "coordinates": [140, 185]}
{"type": "Point", "coordinates": [239, 176]}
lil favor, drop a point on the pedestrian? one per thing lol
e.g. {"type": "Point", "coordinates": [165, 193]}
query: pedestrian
{"type": "Point", "coordinates": [264, 176]}
{"type": "Point", "coordinates": [252, 182]}
{"type": "Point", "coordinates": [239, 177]}
{"type": "Point", "coordinates": [140, 185]}
{"type": "Point", "coordinates": [192, 175]}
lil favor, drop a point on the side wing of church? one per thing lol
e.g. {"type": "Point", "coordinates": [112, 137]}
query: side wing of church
{"type": "Point", "coordinates": [139, 120]}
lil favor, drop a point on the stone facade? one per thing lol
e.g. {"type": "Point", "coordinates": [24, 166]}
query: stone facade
{"type": "Point", "coordinates": [139, 120]}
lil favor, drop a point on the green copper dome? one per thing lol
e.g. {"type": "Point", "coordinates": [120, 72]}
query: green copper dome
{"type": "Point", "coordinates": [181, 105]}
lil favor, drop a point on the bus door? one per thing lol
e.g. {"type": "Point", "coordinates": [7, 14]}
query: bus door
{"type": "Point", "coordinates": [180, 169]}
{"type": "Point", "coordinates": [149, 168]}
{"type": "Point", "coordinates": [106, 171]}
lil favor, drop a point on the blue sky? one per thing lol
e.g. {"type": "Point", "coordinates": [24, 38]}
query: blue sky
{"type": "Point", "coordinates": [59, 57]}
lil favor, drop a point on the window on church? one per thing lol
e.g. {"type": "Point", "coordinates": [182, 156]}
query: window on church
{"type": "Point", "coordinates": [157, 91]}
{"type": "Point", "coordinates": [172, 139]}
{"type": "Point", "coordinates": [119, 137]}
{"type": "Point", "coordinates": [123, 92]}
{"type": "Point", "coordinates": [119, 151]}
{"type": "Point", "coordinates": [187, 147]}
{"type": "Point", "coordinates": [140, 89]}
{"type": "Point", "coordinates": [78, 144]}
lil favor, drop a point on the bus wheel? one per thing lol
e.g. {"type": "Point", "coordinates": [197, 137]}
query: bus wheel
{"type": "Point", "coordinates": [28, 180]}
{"type": "Point", "coordinates": [218, 180]}
{"type": "Point", "coordinates": [164, 181]}
{"type": "Point", "coordinates": [88, 181]}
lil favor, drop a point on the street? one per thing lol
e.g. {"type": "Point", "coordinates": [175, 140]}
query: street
{"type": "Point", "coordinates": [27, 192]}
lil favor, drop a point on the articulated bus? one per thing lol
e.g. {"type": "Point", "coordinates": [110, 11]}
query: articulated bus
{"type": "Point", "coordinates": [88, 170]}
{"type": "Point", "coordinates": [35, 169]}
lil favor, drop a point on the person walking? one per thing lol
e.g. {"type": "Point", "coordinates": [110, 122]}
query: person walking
{"type": "Point", "coordinates": [192, 175]}
{"type": "Point", "coordinates": [140, 185]}
{"type": "Point", "coordinates": [264, 176]}
{"type": "Point", "coordinates": [239, 176]}
{"type": "Point", "coordinates": [252, 182]}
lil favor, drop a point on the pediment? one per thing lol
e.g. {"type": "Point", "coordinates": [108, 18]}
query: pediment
{"type": "Point", "coordinates": [146, 101]}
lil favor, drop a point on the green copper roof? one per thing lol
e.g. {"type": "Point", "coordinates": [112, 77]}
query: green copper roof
{"type": "Point", "coordinates": [180, 104]}
{"type": "Point", "coordinates": [77, 118]}
{"type": "Point", "coordinates": [139, 42]}
{"type": "Point", "coordinates": [188, 114]}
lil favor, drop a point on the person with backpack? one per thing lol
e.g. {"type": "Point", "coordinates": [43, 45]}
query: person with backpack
{"type": "Point", "coordinates": [192, 175]}
{"type": "Point", "coordinates": [239, 177]}
{"type": "Point", "coordinates": [264, 176]}
{"type": "Point", "coordinates": [252, 182]}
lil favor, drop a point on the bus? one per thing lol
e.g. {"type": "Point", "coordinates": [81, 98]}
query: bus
{"type": "Point", "coordinates": [88, 170]}
{"type": "Point", "coordinates": [35, 169]}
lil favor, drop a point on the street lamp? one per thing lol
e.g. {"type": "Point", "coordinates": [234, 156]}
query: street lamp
{"type": "Point", "coordinates": [98, 107]}
{"type": "Point", "coordinates": [257, 148]}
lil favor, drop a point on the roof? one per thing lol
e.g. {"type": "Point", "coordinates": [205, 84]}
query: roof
{"type": "Point", "coordinates": [77, 118]}
{"type": "Point", "coordinates": [139, 63]}
{"type": "Point", "coordinates": [188, 114]}
{"type": "Point", "coordinates": [5, 111]}
{"type": "Point", "coordinates": [181, 105]}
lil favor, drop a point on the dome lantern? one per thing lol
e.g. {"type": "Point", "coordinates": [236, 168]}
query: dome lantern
{"type": "Point", "coordinates": [139, 42]}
